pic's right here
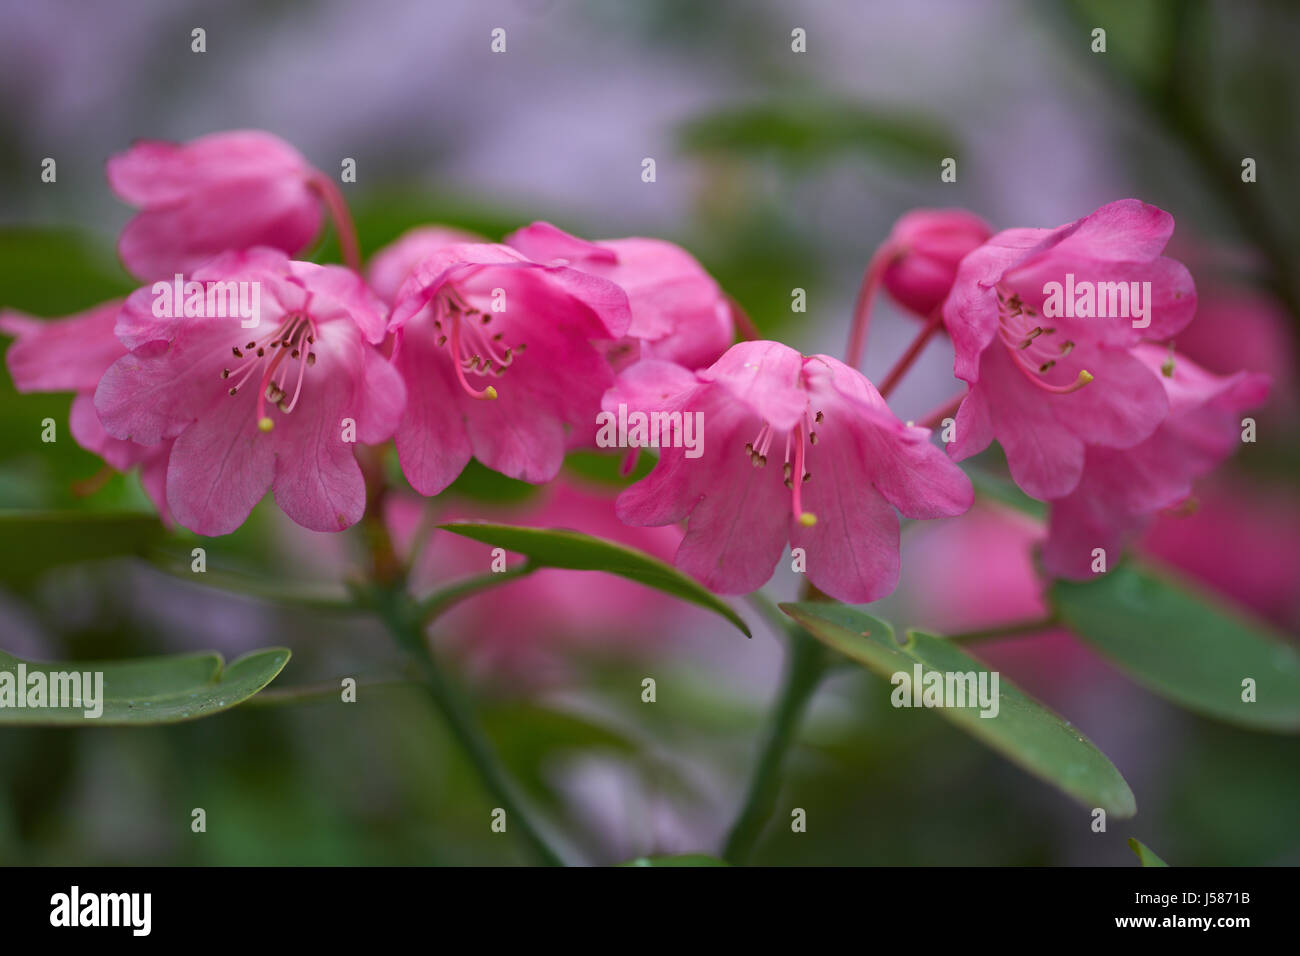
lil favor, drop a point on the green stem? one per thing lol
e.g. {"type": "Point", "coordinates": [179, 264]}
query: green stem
{"type": "Point", "coordinates": [403, 619]}
{"type": "Point", "coordinates": [806, 664]}
{"type": "Point", "coordinates": [442, 601]}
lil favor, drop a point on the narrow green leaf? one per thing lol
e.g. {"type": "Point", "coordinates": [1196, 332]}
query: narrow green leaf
{"type": "Point", "coordinates": [575, 551]}
{"type": "Point", "coordinates": [1185, 647]}
{"type": "Point", "coordinates": [1024, 731]}
{"type": "Point", "coordinates": [1144, 853]}
{"type": "Point", "coordinates": [32, 542]}
{"type": "Point", "coordinates": [686, 859]}
{"type": "Point", "coordinates": [149, 690]}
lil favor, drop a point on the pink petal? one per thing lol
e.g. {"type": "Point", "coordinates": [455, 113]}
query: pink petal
{"type": "Point", "coordinates": [389, 267]}
{"type": "Point", "coordinates": [766, 377]}
{"type": "Point", "coordinates": [58, 355]}
{"type": "Point", "coordinates": [220, 467]}
{"type": "Point", "coordinates": [970, 312]}
{"type": "Point", "coordinates": [432, 442]}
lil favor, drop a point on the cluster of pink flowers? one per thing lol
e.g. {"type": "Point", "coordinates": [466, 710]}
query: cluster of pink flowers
{"type": "Point", "coordinates": [455, 347]}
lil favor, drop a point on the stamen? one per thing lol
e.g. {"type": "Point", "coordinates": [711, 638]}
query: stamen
{"type": "Point", "coordinates": [284, 343]}
{"type": "Point", "coordinates": [1028, 349]}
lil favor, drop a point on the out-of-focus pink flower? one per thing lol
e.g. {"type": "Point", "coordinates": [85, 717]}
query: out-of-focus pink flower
{"type": "Point", "coordinates": [226, 191]}
{"type": "Point", "coordinates": [464, 319]}
{"type": "Point", "coordinates": [71, 355]}
{"type": "Point", "coordinates": [389, 267]}
{"type": "Point", "coordinates": [1239, 329]}
{"type": "Point", "coordinates": [279, 406]}
{"type": "Point", "coordinates": [1047, 387]}
{"type": "Point", "coordinates": [847, 464]}
{"type": "Point", "coordinates": [1121, 489]}
{"type": "Point", "coordinates": [502, 631]}
{"type": "Point", "coordinates": [923, 251]}
{"type": "Point", "coordinates": [679, 314]}
{"type": "Point", "coordinates": [1239, 538]}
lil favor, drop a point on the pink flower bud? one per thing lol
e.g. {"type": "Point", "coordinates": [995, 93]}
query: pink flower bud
{"type": "Point", "coordinates": [930, 244]}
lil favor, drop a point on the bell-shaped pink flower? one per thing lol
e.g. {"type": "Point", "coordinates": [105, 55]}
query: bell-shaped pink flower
{"type": "Point", "coordinates": [795, 449]}
{"type": "Point", "coordinates": [679, 314]}
{"type": "Point", "coordinates": [498, 357]}
{"type": "Point", "coordinates": [226, 191]}
{"type": "Point", "coordinates": [1050, 374]}
{"type": "Point", "coordinates": [279, 405]}
{"type": "Point", "coordinates": [925, 247]}
{"type": "Point", "coordinates": [1121, 489]}
{"type": "Point", "coordinates": [71, 355]}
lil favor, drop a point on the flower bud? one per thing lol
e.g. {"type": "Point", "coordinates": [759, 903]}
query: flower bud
{"type": "Point", "coordinates": [929, 244]}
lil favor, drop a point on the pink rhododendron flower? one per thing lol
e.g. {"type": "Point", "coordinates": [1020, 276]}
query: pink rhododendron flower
{"type": "Point", "coordinates": [71, 355]}
{"type": "Point", "coordinates": [679, 314]}
{"type": "Point", "coordinates": [226, 191]}
{"type": "Point", "coordinates": [924, 249]}
{"type": "Point", "coordinates": [496, 351]}
{"type": "Point", "coordinates": [846, 464]}
{"type": "Point", "coordinates": [278, 406]}
{"type": "Point", "coordinates": [389, 267]}
{"type": "Point", "coordinates": [1121, 489]}
{"type": "Point", "coordinates": [1047, 387]}
{"type": "Point", "coordinates": [501, 632]}
{"type": "Point", "coordinates": [1238, 328]}
{"type": "Point", "coordinates": [1239, 538]}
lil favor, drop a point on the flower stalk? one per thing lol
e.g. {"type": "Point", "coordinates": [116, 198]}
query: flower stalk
{"type": "Point", "coordinates": [807, 662]}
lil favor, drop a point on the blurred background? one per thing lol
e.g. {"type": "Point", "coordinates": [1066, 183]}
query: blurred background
{"type": "Point", "coordinates": [778, 170]}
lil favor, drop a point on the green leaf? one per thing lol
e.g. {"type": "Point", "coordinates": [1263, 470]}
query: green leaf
{"type": "Point", "coordinates": [1184, 646]}
{"type": "Point", "coordinates": [32, 542]}
{"type": "Point", "coordinates": [1144, 853]}
{"type": "Point", "coordinates": [686, 859]}
{"type": "Point", "coordinates": [1024, 731]}
{"type": "Point", "coordinates": [150, 690]}
{"type": "Point", "coordinates": [575, 551]}
{"type": "Point", "coordinates": [809, 130]}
